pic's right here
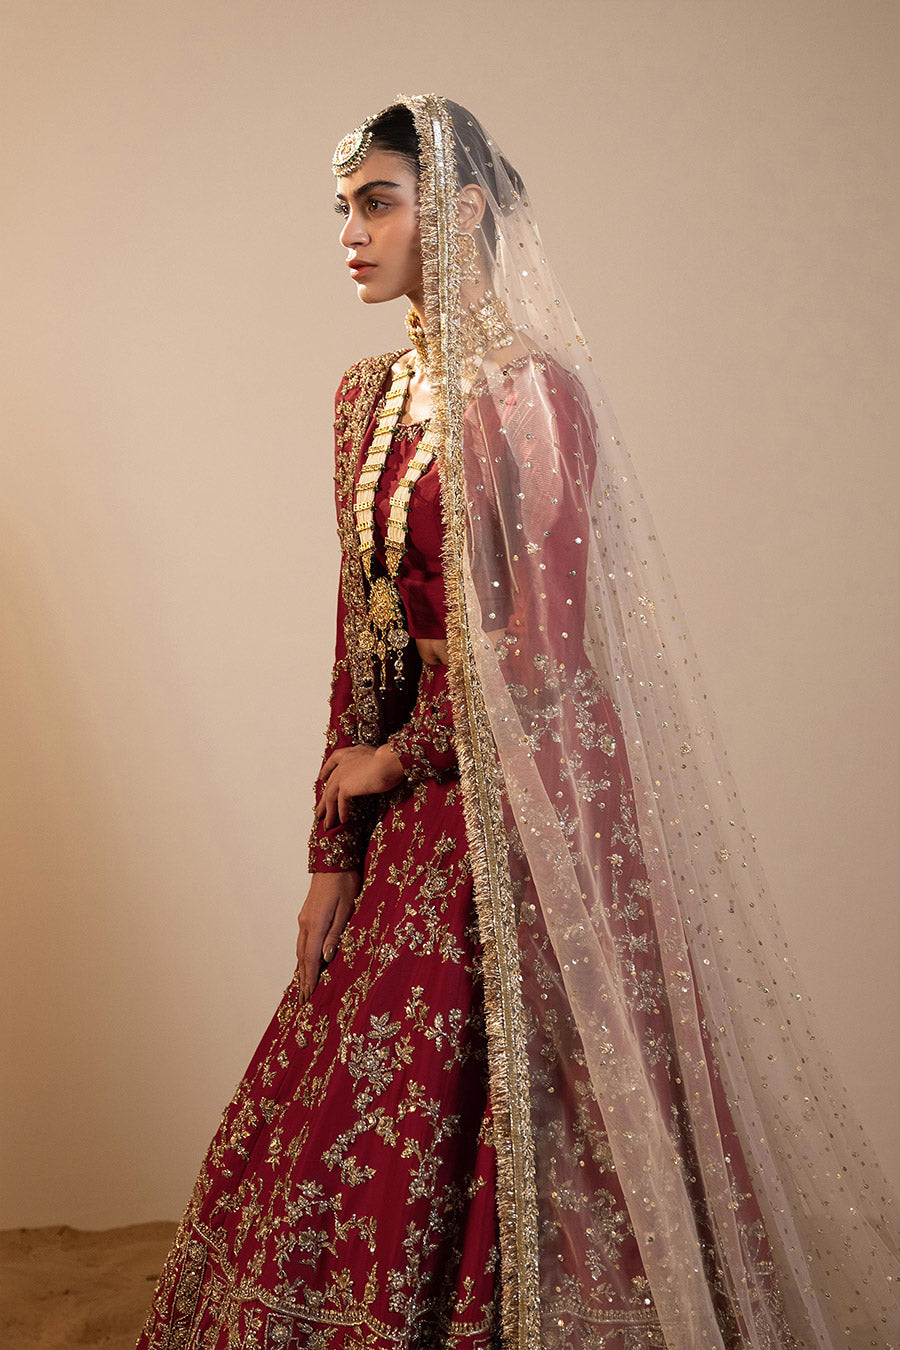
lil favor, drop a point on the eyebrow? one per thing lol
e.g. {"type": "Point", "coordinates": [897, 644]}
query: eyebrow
{"type": "Point", "coordinates": [367, 187]}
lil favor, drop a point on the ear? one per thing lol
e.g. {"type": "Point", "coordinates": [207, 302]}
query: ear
{"type": "Point", "coordinates": [472, 202]}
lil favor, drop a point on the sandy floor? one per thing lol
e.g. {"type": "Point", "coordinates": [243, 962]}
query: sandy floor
{"type": "Point", "coordinates": [61, 1288]}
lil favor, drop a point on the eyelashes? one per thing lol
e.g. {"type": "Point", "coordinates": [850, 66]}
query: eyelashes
{"type": "Point", "coordinates": [342, 209]}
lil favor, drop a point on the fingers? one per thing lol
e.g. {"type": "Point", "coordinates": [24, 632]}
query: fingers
{"type": "Point", "coordinates": [336, 799]}
{"type": "Point", "coordinates": [307, 959]}
{"type": "Point", "coordinates": [301, 964]}
{"type": "Point", "coordinates": [326, 797]}
{"type": "Point", "coordinates": [335, 803]}
{"type": "Point", "coordinates": [326, 910]}
{"type": "Point", "coordinates": [332, 814]}
{"type": "Point", "coordinates": [333, 936]}
{"type": "Point", "coordinates": [326, 804]}
{"type": "Point", "coordinates": [308, 965]}
{"type": "Point", "coordinates": [311, 954]}
{"type": "Point", "coordinates": [332, 762]}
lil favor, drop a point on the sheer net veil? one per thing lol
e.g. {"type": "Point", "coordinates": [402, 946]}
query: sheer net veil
{"type": "Point", "coordinates": [574, 679]}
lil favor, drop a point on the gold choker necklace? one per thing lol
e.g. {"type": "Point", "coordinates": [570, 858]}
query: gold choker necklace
{"type": "Point", "coordinates": [386, 635]}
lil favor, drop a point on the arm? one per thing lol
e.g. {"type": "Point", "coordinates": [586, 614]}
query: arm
{"type": "Point", "coordinates": [338, 845]}
{"type": "Point", "coordinates": [336, 850]}
{"type": "Point", "coordinates": [424, 745]}
{"type": "Point", "coordinates": [422, 748]}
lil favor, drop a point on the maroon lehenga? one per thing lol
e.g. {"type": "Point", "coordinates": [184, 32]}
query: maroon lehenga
{"type": "Point", "coordinates": [348, 1198]}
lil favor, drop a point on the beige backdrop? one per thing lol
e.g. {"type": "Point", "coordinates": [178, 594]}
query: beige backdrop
{"type": "Point", "coordinates": [716, 180]}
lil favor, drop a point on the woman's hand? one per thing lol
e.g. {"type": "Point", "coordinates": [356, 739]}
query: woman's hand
{"type": "Point", "coordinates": [321, 921]}
{"type": "Point", "coordinates": [355, 771]}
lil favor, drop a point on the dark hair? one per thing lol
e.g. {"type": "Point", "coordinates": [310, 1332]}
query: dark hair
{"type": "Point", "coordinates": [395, 130]}
{"type": "Point", "coordinates": [477, 161]}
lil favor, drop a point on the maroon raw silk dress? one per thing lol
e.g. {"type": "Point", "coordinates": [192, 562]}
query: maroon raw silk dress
{"type": "Point", "coordinates": [348, 1198]}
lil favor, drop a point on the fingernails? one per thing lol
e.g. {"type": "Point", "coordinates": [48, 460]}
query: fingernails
{"type": "Point", "coordinates": [330, 952]}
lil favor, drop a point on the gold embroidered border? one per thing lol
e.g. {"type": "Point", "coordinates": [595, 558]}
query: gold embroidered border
{"type": "Point", "coordinates": [509, 1075]}
{"type": "Point", "coordinates": [240, 1293]}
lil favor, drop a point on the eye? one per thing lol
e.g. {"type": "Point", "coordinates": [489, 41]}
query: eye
{"type": "Point", "coordinates": [341, 208]}
{"type": "Point", "coordinates": [373, 202]}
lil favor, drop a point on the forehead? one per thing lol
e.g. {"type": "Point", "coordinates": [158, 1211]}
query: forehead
{"type": "Point", "coordinates": [381, 166]}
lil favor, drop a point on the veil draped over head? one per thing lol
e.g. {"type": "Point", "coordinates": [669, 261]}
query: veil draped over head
{"type": "Point", "coordinates": [636, 979]}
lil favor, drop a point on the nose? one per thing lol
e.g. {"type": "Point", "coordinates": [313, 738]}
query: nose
{"type": "Point", "coordinates": [354, 233]}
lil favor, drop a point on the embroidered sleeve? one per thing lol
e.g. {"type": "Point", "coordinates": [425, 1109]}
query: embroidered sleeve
{"type": "Point", "coordinates": [341, 848]}
{"type": "Point", "coordinates": [425, 743]}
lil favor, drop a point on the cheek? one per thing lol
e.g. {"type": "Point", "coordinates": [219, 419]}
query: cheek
{"type": "Point", "coordinates": [405, 250]}
{"type": "Point", "coordinates": [402, 250]}
{"type": "Point", "coordinates": [414, 246]}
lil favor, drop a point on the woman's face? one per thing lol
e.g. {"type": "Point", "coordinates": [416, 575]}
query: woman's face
{"type": "Point", "coordinates": [379, 202]}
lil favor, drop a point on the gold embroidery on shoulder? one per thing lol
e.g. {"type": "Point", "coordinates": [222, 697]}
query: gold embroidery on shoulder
{"type": "Point", "coordinates": [363, 381]}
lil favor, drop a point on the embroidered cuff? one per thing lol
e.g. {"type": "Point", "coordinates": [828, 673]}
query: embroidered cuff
{"type": "Point", "coordinates": [425, 745]}
{"type": "Point", "coordinates": [343, 847]}
{"type": "Point", "coordinates": [409, 750]}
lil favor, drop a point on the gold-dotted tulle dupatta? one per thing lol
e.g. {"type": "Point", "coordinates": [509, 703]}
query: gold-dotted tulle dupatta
{"type": "Point", "coordinates": [645, 1019]}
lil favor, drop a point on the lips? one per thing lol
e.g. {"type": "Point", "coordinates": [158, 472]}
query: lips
{"type": "Point", "coordinates": [358, 266]}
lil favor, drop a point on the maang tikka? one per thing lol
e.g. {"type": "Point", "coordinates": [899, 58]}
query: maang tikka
{"type": "Point", "coordinates": [352, 150]}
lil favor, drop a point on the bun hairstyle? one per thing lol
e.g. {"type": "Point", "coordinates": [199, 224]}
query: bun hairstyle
{"type": "Point", "coordinates": [477, 161]}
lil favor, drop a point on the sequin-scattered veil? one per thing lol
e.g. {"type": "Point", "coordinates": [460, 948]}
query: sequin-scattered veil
{"type": "Point", "coordinates": [559, 598]}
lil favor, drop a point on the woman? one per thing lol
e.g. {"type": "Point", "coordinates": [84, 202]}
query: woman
{"type": "Point", "coordinates": [544, 1076]}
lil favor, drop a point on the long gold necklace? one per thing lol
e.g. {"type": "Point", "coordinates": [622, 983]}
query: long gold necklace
{"type": "Point", "coordinates": [386, 635]}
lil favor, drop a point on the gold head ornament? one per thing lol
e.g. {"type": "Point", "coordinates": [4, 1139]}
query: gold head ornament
{"type": "Point", "coordinates": [352, 149]}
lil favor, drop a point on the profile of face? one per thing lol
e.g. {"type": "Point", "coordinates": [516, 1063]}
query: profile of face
{"type": "Point", "coordinates": [379, 203]}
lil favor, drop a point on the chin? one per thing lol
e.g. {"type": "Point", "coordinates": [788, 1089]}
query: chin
{"type": "Point", "coordinates": [373, 295]}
